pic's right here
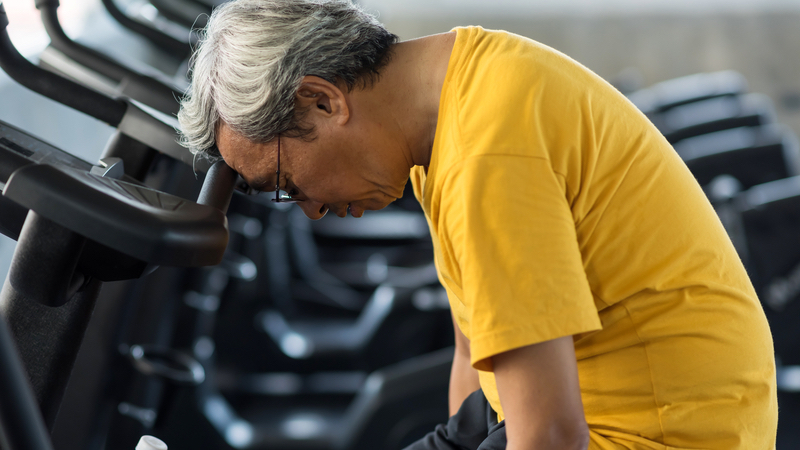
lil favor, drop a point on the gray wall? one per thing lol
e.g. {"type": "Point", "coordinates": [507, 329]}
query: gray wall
{"type": "Point", "coordinates": [660, 41]}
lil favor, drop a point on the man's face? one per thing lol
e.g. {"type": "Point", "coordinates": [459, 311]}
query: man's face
{"type": "Point", "coordinates": [326, 173]}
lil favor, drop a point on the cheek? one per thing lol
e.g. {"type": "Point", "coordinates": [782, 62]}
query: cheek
{"type": "Point", "coordinates": [335, 187]}
{"type": "Point", "coordinates": [319, 167]}
{"type": "Point", "coordinates": [317, 183]}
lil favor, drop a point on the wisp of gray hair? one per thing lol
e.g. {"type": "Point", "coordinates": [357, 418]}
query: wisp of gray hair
{"type": "Point", "coordinates": [253, 54]}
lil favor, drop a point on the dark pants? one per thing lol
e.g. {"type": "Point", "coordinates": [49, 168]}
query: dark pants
{"type": "Point", "coordinates": [474, 427]}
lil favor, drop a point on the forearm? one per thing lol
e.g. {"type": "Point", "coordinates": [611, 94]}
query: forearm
{"type": "Point", "coordinates": [463, 381]}
{"type": "Point", "coordinates": [463, 378]}
{"type": "Point", "coordinates": [572, 442]}
{"type": "Point", "coordinates": [540, 395]}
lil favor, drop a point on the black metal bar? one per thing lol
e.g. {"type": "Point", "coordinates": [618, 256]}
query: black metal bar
{"type": "Point", "coordinates": [21, 424]}
{"type": "Point", "coordinates": [218, 186]}
{"type": "Point", "coordinates": [3, 17]}
{"type": "Point", "coordinates": [174, 47]}
{"type": "Point", "coordinates": [184, 12]}
{"type": "Point", "coordinates": [150, 91]}
{"type": "Point", "coordinates": [137, 156]}
{"type": "Point", "coordinates": [47, 338]}
{"type": "Point", "coordinates": [9, 162]}
{"type": "Point", "coordinates": [43, 240]}
{"type": "Point", "coordinates": [82, 54]}
{"type": "Point", "coordinates": [53, 86]}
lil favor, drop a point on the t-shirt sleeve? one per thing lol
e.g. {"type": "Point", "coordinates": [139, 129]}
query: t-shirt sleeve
{"type": "Point", "coordinates": [514, 238]}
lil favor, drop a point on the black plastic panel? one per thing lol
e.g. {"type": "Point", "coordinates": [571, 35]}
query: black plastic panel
{"type": "Point", "coordinates": [16, 142]}
{"type": "Point", "coordinates": [19, 149]}
{"type": "Point", "coordinates": [149, 225]}
{"type": "Point", "coordinates": [752, 155]}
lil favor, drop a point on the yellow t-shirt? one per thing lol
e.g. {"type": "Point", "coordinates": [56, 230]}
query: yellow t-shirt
{"type": "Point", "coordinates": [557, 209]}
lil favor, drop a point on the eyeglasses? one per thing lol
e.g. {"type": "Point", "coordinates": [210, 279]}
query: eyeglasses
{"type": "Point", "coordinates": [285, 197]}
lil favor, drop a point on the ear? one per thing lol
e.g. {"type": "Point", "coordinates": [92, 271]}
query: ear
{"type": "Point", "coordinates": [323, 100]}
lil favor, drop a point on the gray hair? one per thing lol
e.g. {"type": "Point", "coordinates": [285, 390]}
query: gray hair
{"type": "Point", "coordinates": [253, 55]}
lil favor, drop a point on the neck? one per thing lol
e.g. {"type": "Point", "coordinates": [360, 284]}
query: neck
{"type": "Point", "coordinates": [411, 84]}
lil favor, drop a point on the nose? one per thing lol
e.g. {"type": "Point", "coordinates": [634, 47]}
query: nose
{"type": "Point", "coordinates": [313, 210]}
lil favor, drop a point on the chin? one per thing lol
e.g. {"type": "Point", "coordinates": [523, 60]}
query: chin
{"type": "Point", "coordinates": [382, 204]}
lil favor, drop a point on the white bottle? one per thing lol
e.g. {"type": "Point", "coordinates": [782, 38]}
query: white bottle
{"type": "Point", "coordinates": [151, 443]}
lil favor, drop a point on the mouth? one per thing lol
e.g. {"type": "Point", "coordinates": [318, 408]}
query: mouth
{"type": "Point", "coordinates": [354, 212]}
{"type": "Point", "coordinates": [354, 209]}
{"type": "Point", "coordinates": [338, 210]}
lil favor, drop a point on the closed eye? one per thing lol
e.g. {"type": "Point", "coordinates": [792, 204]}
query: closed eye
{"type": "Point", "coordinates": [259, 184]}
{"type": "Point", "coordinates": [255, 187]}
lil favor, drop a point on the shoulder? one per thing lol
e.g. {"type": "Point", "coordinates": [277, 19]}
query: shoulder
{"type": "Point", "coordinates": [501, 53]}
{"type": "Point", "coordinates": [504, 92]}
{"type": "Point", "coordinates": [511, 94]}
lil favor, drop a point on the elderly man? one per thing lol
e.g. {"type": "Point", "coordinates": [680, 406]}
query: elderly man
{"type": "Point", "coordinates": [596, 299]}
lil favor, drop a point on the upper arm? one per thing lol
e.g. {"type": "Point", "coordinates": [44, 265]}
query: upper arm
{"type": "Point", "coordinates": [540, 395]}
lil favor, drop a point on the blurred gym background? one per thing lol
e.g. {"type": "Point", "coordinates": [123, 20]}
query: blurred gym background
{"type": "Point", "coordinates": [633, 44]}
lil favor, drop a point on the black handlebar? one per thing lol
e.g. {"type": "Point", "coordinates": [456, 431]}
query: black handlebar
{"type": "Point", "coordinates": [64, 91]}
{"type": "Point", "coordinates": [160, 95]}
{"type": "Point", "coordinates": [164, 41]}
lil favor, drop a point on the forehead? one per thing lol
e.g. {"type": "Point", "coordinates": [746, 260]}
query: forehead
{"type": "Point", "coordinates": [238, 151]}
